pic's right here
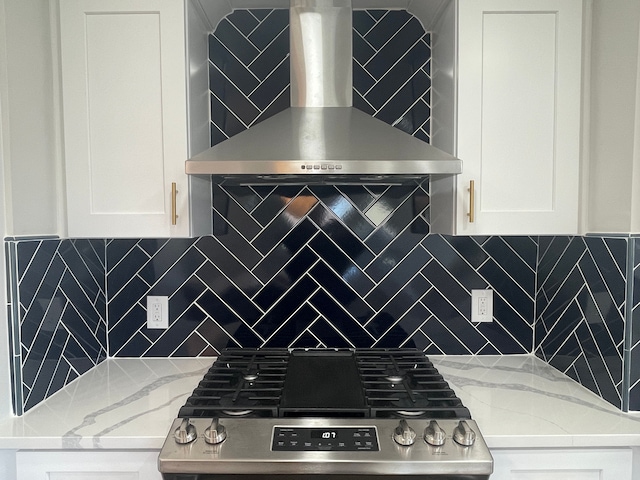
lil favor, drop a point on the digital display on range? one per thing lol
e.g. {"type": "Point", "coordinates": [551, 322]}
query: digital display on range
{"type": "Point", "coordinates": [351, 439]}
{"type": "Point", "coordinates": [331, 434]}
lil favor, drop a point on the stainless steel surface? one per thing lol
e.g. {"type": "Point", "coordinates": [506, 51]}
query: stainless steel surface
{"type": "Point", "coordinates": [320, 37]}
{"type": "Point", "coordinates": [323, 141]}
{"type": "Point", "coordinates": [463, 434]}
{"type": "Point", "coordinates": [185, 432]}
{"type": "Point", "coordinates": [321, 134]}
{"type": "Point", "coordinates": [247, 450]}
{"type": "Point", "coordinates": [215, 433]}
{"type": "Point", "coordinates": [404, 434]}
{"type": "Point", "coordinates": [434, 435]}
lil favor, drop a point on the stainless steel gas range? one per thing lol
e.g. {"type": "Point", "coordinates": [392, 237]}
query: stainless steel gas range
{"type": "Point", "coordinates": [324, 412]}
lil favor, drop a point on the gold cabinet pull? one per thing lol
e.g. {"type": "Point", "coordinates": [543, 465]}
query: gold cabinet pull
{"type": "Point", "coordinates": [174, 209]}
{"type": "Point", "coordinates": [472, 201]}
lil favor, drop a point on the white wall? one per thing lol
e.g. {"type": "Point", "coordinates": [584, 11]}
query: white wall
{"type": "Point", "coordinates": [5, 386]}
{"type": "Point", "coordinates": [614, 133]}
{"type": "Point", "coordinates": [28, 85]}
{"type": "Point", "coordinates": [30, 174]}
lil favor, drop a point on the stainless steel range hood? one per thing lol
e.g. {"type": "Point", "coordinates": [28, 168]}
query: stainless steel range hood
{"type": "Point", "coordinates": [321, 138]}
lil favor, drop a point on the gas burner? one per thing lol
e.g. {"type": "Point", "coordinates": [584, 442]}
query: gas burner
{"type": "Point", "coordinates": [410, 413]}
{"type": "Point", "coordinates": [237, 413]}
{"type": "Point", "coordinates": [394, 377]}
{"type": "Point", "coordinates": [250, 375]}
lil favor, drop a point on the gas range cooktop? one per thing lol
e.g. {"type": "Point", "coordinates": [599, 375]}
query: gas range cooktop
{"type": "Point", "coordinates": [337, 383]}
{"type": "Point", "coordinates": [324, 412]}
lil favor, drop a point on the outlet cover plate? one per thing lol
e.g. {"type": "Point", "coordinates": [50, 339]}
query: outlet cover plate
{"type": "Point", "coordinates": [482, 305]}
{"type": "Point", "coordinates": [157, 312]}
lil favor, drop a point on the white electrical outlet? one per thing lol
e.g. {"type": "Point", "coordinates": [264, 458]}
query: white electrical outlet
{"type": "Point", "coordinates": [482, 305]}
{"type": "Point", "coordinates": [157, 312]}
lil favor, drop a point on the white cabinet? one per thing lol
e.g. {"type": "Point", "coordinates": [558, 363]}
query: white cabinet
{"type": "Point", "coordinates": [87, 465]}
{"type": "Point", "coordinates": [517, 118]}
{"type": "Point", "coordinates": [563, 464]}
{"type": "Point", "coordinates": [124, 114]}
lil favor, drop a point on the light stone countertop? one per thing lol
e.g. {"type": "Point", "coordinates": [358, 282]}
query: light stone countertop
{"type": "Point", "coordinates": [517, 400]}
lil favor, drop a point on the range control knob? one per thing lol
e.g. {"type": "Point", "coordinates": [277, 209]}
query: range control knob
{"type": "Point", "coordinates": [433, 434]}
{"type": "Point", "coordinates": [463, 434]}
{"type": "Point", "coordinates": [404, 434]}
{"type": "Point", "coordinates": [215, 433]}
{"type": "Point", "coordinates": [185, 433]}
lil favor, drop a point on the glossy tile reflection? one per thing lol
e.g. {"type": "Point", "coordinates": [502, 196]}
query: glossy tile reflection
{"type": "Point", "coordinates": [580, 311]}
{"type": "Point", "coordinates": [59, 324]}
{"type": "Point", "coordinates": [318, 283]}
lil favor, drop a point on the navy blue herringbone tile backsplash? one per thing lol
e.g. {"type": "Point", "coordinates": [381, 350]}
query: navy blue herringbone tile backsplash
{"type": "Point", "coordinates": [633, 343]}
{"type": "Point", "coordinates": [319, 266]}
{"type": "Point", "coordinates": [57, 313]}
{"type": "Point", "coordinates": [580, 325]}
{"type": "Point", "coordinates": [249, 70]}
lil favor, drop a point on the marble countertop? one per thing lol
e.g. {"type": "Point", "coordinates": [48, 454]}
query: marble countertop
{"type": "Point", "coordinates": [518, 401]}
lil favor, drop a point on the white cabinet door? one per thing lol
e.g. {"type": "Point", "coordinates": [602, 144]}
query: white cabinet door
{"type": "Point", "coordinates": [562, 464]}
{"type": "Point", "coordinates": [82, 465]}
{"type": "Point", "coordinates": [518, 115]}
{"type": "Point", "coordinates": [124, 114]}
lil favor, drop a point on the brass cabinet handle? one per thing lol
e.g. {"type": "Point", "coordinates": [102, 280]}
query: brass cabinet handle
{"type": "Point", "coordinates": [174, 212]}
{"type": "Point", "coordinates": [472, 201]}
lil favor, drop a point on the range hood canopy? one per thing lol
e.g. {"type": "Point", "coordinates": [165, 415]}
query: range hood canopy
{"type": "Point", "coordinates": [321, 138]}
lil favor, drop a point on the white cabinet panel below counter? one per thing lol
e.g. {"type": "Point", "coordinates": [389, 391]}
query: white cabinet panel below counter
{"type": "Point", "coordinates": [94, 465]}
{"type": "Point", "coordinates": [562, 464]}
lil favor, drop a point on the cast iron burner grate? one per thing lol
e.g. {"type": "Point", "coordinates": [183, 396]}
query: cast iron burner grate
{"type": "Point", "coordinates": [323, 383]}
{"type": "Point", "coordinates": [241, 382]}
{"type": "Point", "coordinates": [404, 382]}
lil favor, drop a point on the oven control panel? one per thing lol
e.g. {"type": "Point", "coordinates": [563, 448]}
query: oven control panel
{"type": "Point", "coordinates": [352, 439]}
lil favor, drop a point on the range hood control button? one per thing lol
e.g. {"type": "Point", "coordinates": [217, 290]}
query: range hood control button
{"type": "Point", "coordinates": [463, 434]}
{"type": "Point", "coordinates": [433, 434]}
{"type": "Point", "coordinates": [185, 433]}
{"type": "Point", "coordinates": [215, 433]}
{"type": "Point", "coordinates": [404, 434]}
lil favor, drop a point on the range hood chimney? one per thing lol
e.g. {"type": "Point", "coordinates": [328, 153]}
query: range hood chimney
{"type": "Point", "coordinates": [321, 138]}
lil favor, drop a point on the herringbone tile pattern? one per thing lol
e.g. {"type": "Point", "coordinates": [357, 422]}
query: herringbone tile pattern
{"type": "Point", "coordinates": [580, 313]}
{"type": "Point", "coordinates": [392, 69]}
{"type": "Point", "coordinates": [249, 70]}
{"type": "Point", "coordinates": [320, 266]}
{"type": "Point", "coordinates": [634, 342]}
{"type": "Point", "coordinates": [59, 317]}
